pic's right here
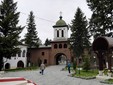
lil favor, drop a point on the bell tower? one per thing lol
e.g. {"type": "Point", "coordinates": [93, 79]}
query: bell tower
{"type": "Point", "coordinates": [60, 30]}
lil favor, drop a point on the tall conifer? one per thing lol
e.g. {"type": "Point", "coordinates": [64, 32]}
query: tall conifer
{"type": "Point", "coordinates": [102, 17]}
{"type": "Point", "coordinates": [31, 38]}
{"type": "Point", "coordinates": [80, 36]}
{"type": "Point", "coordinates": [47, 42]}
{"type": "Point", "coordinates": [9, 29]}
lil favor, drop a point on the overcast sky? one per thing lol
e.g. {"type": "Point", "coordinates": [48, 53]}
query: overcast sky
{"type": "Point", "coordinates": [47, 12]}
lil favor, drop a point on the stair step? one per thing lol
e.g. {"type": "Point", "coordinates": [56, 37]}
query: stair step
{"type": "Point", "coordinates": [15, 81]}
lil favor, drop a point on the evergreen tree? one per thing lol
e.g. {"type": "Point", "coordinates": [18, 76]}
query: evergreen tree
{"type": "Point", "coordinates": [80, 36]}
{"type": "Point", "coordinates": [101, 20]}
{"type": "Point", "coordinates": [74, 66]}
{"type": "Point", "coordinates": [9, 31]}
{"type": "Point", "coordinates": [86, 65]}
{"type": "Point", "coordinates": [31, 38]}
{"type": "Point", "coordinates": [47, 42]}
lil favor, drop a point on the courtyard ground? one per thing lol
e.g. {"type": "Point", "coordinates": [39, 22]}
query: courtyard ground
{"type": "Point", "coordinates": [52, 76]}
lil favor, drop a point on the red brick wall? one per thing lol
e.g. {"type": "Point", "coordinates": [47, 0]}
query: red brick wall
{"type": "Point", "coordinates": [62, 50]}
{"type": "Point", "coordinates": [50, 53]}
{"type": "Point", "coordinates": [38, 54]}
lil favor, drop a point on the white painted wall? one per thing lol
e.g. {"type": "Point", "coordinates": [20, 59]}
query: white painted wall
{"type": "Point", "coordinates": [65, 29]}
{"type": "Point", "coordinates": [14, 60]}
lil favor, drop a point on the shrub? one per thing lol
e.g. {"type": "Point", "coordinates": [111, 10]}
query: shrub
{"type": "Point", "coordinates": [86, 65]}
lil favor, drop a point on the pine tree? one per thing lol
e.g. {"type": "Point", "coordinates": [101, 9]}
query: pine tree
{"type": "Point", "coordinates": [80, 36]}
{"type": "Point", "coordinates": [47, 42]}
{"type": "Point", "coordinates": [31, 38]}
{"type": "Point", "coordinates": [101, 20]}
{"type": "Point", "coordinates": [9, 30]}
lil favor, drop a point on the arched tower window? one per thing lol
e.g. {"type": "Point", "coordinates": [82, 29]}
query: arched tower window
{"type": "Point", "coordinates": [55, 46]}
{"type": "Point", "coordinates": [60, 45]}
{"type": "Point", "coordinates": [62, 33]}
{"type": "Point", "coordinates": [65, 45]}
{"type": "Point", "coordinates": [57, 33]}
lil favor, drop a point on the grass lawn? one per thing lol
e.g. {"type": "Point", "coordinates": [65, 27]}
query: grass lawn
{"type": "Point", "coordinates": [86, 75]}
{"type": "Point", "coordinates": [108, 81]}
{"type": "Point", "coordinates": [22, 69]}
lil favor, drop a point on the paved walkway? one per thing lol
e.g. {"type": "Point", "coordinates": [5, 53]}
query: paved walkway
{"type": "Point", "coordinates": [53, 76]}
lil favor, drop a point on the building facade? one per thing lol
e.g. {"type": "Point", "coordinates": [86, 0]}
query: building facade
{"type": "Point", "coordinates": [57, 52]}
{"type": "Point", "coordinates": [18, 60]}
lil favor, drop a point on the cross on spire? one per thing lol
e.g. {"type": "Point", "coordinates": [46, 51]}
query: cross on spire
{"type": "Point", "coordinates": [60, 15]}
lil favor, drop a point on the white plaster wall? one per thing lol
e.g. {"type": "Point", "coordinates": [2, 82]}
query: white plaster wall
{"type": "Point", "coordinates": [14, 60]}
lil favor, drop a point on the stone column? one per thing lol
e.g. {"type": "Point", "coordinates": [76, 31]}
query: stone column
{"type": "Point", "coordinates": [109, 66]}
{"type": "Point", "coordinates": [100, 59]}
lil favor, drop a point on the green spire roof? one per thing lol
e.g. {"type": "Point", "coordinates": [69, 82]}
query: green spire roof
{"type": "Point", "coordinates": [60, 22]}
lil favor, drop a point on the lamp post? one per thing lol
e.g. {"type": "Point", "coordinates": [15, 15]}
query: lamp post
{"type": "Point", "coordinates": [94, 61]}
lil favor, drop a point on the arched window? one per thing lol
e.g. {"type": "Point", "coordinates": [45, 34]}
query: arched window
{"type": "Point", "coordinates": [62, 33]}
{"type": "Point", "coordinates": [23, 53]}
{"type": "Point", "coordinates": [65, 45]}
{"type": "Point", "coordinates": [55, 46]}
{"type": "Point", "coordinates": [60, 45]}
{"type": "Point", "coordinates": [57, 33]}
{"type": "Point", "coordinates": [19, 54]}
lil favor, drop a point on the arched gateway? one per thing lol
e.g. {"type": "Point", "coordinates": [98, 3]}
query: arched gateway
{"type": "Point", "coordinates": [58, 51]}
{"type": "Point", "coordinates": [60, 59]}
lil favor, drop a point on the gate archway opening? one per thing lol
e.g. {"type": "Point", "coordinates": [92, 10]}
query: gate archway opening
{"type": "Point", "coordinates": [60, 58]}
{"type": "Point", "coordinates": [20, 64]}
{"type": "Point", "coordinates": [7, 66]}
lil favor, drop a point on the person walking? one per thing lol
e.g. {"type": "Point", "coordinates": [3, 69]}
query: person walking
{"type": "Point", "coordinates": [68, 66]}
{"type": "Point", "coordinates": [42, 68]}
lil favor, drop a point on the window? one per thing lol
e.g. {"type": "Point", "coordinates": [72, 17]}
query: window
{"type": "Point", "coordinates": [57, 33]}
{"type": "Point", "coordinates": [62, 33]}
{"type": "Point", "coordinates": [45, 61]}
{"type": "Point", "coordinates": [55, 46]}
{"type": "Point", "coordinates": [42, 53]}
{"type": "Point", "coordinates": [65, 45]}
{"type": "Point", "coordinates": [14, 55]}
{"type": "Point", "coordinates": [23, 53]}
{"type": "Point", "coordinates": [19, 54]}
{"type": "Point", "coordinates": [60, 45]}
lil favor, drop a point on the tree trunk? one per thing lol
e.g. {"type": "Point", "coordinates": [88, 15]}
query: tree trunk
{"type": "Point", "coordinates": [1, 62]}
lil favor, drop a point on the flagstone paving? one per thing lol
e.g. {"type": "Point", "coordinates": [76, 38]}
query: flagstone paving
{"type": "Point", "coordinates": [52, 76]}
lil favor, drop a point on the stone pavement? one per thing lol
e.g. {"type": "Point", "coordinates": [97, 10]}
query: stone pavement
{"type": "Point", "coordinates": [52, 76]}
